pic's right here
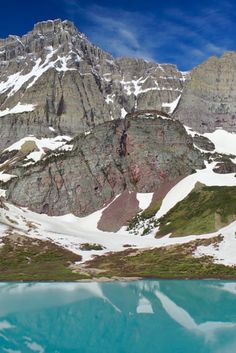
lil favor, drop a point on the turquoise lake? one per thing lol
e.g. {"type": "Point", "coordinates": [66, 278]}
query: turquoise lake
{"type": "Point", "coordinates": [119, 317]}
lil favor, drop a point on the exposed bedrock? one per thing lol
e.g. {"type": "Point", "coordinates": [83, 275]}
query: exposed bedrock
{"type": "Point", "coordinates": [67, 83]}
{"type": "Point", "coordinates": [209, 98]}
{"type": "Point", "coordinates": [139, 153]}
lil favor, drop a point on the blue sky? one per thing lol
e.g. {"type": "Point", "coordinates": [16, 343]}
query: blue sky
{"type": "Point", "coordinates": [184, 33]}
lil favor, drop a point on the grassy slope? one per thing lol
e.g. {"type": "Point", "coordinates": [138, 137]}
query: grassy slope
{"type": "Point", "coordinates": [175, 261]}
{"type": "Point", "coordinates": [26, 259]}
{"type": "Point", "coordinates": [204, 210]}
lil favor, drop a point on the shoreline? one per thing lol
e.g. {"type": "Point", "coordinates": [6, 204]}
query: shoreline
{"type": "Point", "coordinates": [124, 279]}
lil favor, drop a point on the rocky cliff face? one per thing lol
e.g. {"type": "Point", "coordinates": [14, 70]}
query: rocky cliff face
{"type": "Point", "coordinates": [209, 98]}
{"type": "Point", "coordinates": [54, 81]}
{"type": "Point", "coordinates": [139, 153]}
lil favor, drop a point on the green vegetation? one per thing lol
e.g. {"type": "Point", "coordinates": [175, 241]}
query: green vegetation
{"type": "Point", "coordinates": [151, 210]}
{"type": "Point", "coordinates": [175, 261]}
{"type": "Point", "coordinates": [26, 259]}
{"type": "Point", "coordinates": [145, 219]}
{"type": "Point", "coordinates": [206, 209]}
{"type": "Point", "coordinates": [91, 246]}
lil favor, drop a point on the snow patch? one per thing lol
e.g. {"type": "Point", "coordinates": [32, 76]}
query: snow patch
{"type": "Point", "coordinates": [224, 251]}
{"type": "Point", "coordinates": [185, 75]}
{"type": "Point", "coordinates": [4, 177]}
{"type": "Point", "coordinates": [190, 131]}
{"type": "Point", "coordinates": [224, 141]}
{"type": "Point", "coordinates": [123, 113]}
{"type": "Point", "coordinates": [172, 105]}
{"type": "Point", "coordinates": [110, 98]}
{"type": "Point", "coordinates": [17, 109]}
{"type": "Point", "coordinates": [42, 145]}
{"type": "Point", "coordinates": [144, 199]}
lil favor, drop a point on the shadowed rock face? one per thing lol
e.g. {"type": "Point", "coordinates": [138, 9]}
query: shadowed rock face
{"type": "Point", "coordinates": [72, 84]}
{"type": "Point", "coordinates": [138, 153]}
{"type": "Point", "coordinates": [209, 98]}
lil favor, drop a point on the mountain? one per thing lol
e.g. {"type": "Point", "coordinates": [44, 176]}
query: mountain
{"type": "Point", "coordinates": [100, 153]}
{"type": "Point", "coordinates": [208, 101]}
{"type": "Point", "coordinates": [60, 83]}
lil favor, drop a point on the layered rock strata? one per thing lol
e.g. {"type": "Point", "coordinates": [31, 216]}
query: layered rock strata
{"type": "Point", "coordinates": [139, 153]}
{"type": "Point", "coordinates": [54, 81]}
{"type": "Point", "coordinates": [209, 98]}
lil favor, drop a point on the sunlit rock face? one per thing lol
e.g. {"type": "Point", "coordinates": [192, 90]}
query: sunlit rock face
{"type": "Point", "coordinates": [73, 85]}
{"type": "Point", "coordinates": [209, 98]}
{"type": "Point", "coordinates": [140, 153]}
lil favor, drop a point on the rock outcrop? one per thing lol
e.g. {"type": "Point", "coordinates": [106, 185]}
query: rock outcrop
{"type": "Point", "coordinates": [139, 153]}
{"type": "Point", "coordinates": [53, 77]}
{"type": "Point", "coordinates": [203, 143]}
{"type": "Point", "coordinates": [209, 98]}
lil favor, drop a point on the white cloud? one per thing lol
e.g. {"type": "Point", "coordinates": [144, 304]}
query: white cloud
{"type": "Point", "coordinates": [121, 32]}
{"type": "Point", "coordinates": [175, 35]}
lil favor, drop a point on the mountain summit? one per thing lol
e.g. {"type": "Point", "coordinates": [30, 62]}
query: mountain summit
{"type": "Point", "coordinates": [53, 76]}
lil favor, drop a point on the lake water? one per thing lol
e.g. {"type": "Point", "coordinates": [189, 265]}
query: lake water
{"type": "Point", "coordinates": [131, 317]}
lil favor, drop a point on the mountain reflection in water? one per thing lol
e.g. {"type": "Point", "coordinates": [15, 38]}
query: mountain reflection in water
{"type": "Point", "coordinates": [140, 316]}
